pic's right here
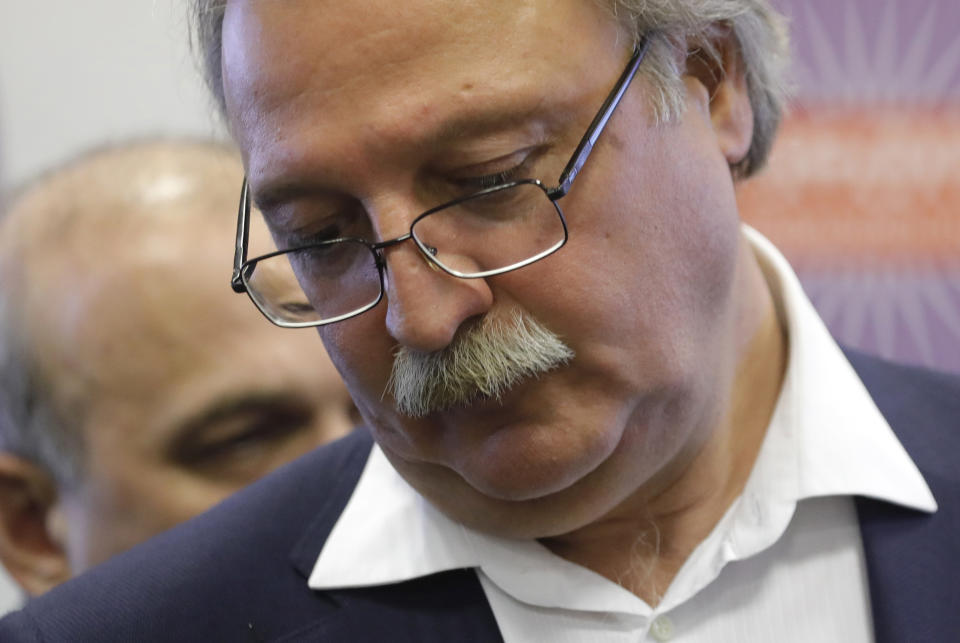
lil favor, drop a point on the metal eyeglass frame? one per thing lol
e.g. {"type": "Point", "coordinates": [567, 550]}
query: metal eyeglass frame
{"type": "Point", "coordinates": [570, 172]}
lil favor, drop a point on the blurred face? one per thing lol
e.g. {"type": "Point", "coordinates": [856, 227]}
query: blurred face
{"type": "Point", "coordinates": [387, 109]}
{"type": "Point", "coordinates": [192, 394]}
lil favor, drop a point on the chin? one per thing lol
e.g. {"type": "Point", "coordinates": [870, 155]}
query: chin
{"type": "Point", "coordinates": [535, 457]}
{"type": "Point", "coordinates": [528, 479]}
{"type": "Point", "coordinates": [542, 517]}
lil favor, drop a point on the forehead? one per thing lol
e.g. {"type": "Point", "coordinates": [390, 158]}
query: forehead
{"type": "Point", "coordinates": [302, 77]}
{"type": "Point", "coordinates": [157, 287]}
{"type": "Point", "coordinates": [131, 281]}
{"type": "Point", "coordinates": [157, 331]}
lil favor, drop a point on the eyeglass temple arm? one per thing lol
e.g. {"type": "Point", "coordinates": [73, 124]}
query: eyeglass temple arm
{"type": "Point", "coordinates": [243, 236]}
{"type": "Point", "coordinates": [583, 150]}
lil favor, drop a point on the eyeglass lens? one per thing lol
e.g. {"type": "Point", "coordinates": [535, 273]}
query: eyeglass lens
{"type": "Point", "coordinates": [484, 234]}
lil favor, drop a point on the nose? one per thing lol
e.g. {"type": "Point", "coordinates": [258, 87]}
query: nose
{"type": "Point", "coordinates": [426, 306]}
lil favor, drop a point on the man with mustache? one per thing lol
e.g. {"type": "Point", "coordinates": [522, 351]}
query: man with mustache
{"type": "Point", "coordinates": [602, 409]}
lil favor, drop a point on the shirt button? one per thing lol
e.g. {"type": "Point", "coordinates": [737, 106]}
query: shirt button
{"type": "Point", "coordinates": [662, 628]}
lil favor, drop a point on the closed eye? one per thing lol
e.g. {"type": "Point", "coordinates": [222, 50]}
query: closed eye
{"type": "Point", "coordinates": [352, 224]}
{"type": "Point", "coordinates": [511, 167]}
{"type": "Point", "coordinates": [236, 437]}
{"type": "Point", "coordinates": [476, 183]}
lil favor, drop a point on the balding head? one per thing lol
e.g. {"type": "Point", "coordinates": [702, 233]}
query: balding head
{"type": "Point", "coordinates": [66, 240]}
{"type": "Point", "coordinates": [132, 374]}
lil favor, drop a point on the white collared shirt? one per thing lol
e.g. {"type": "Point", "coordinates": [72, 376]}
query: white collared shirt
{"type": "Point", "coordinates": [785, 563]}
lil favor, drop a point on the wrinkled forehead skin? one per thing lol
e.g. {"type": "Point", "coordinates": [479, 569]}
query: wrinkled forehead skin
{"type": "Point", "coordinates": [385, 71]}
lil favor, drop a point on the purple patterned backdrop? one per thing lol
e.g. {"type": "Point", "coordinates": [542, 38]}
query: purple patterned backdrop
{"type": "Point", "coordinates": [868, 51]}
{"type": "Point", "coordinates": [863, 188]}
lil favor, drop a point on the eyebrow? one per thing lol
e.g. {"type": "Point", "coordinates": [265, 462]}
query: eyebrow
{"type": "Point", "coordinates": [283, 191]}
{"type": "Point", "coordinates": [494, 119]}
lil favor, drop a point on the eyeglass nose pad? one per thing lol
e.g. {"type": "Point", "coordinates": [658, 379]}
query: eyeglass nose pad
{"type": "Point", "coordinates": [433, 253]}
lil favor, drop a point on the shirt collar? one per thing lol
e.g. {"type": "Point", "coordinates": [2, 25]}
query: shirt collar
{"type": "Point", "coordinates": [826, 438]}
{"type": "Point", "coordinates": [829, 432]}
{"type": "Point", "coordinates": [388, 533]}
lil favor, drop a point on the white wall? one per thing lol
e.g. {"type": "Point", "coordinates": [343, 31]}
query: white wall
{"type": "Point", "coordinates": [80, 73]}
{"type": "Point", "coordinates": [75, 74]}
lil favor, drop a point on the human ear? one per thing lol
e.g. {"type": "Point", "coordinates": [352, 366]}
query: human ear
{"type": "Point", "coordinates": [720, 84]}
{"type": "Point", "coordinates": [31, 548]}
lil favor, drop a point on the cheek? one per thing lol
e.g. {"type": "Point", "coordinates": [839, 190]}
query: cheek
{"type": "Point", "coordinates": [673, 232]}
{"type": "Point", "coordinates": [111, 517]}
{"type": "Point", "coordinates": [361, 349]}
{"type": "Point", "coordinates": [649, 263]}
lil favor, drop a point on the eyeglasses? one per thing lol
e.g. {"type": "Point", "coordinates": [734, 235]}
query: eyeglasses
{"type": "Point", "coordinates": [489, 232]}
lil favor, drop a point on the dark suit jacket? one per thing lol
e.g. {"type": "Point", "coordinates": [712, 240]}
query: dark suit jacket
{"type": "Point", "coordinates": [239, 572]}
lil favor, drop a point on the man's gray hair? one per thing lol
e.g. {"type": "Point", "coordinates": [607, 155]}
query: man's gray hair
{"type": "Point", "coordinates": [32, 425]}
{"type": "Point", "coordinates": [675, 28]}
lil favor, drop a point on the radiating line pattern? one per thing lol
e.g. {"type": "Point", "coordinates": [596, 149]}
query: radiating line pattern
{"type": "Point", "coordinates": [909, 316]}
{"type": "Point", "coordinates": [863, 189]}
{"type": "Point", "coordinates": [870, 51]}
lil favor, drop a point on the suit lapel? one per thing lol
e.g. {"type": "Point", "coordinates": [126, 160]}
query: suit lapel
{"type": "Point", "coordinates": [912, 557]}
{"type": "Point", "coordinates": [341, 480]}
{"type": "Point", "coordinates": [449, 606]}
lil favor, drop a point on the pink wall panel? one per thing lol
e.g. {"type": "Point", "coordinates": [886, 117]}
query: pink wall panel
{"type": "Point", "coordinates": [863, 188]}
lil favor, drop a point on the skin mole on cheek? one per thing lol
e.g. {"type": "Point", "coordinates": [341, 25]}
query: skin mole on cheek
{"type": "Point", "coordinates": [615, 141]}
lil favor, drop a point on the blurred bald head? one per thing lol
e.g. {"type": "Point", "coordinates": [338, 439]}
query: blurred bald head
{"type": "Point", "coordinates": [133, 378]}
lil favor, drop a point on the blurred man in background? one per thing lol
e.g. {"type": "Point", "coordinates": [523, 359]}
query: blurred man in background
{"type": "Point", "coordinates": [136, 390]}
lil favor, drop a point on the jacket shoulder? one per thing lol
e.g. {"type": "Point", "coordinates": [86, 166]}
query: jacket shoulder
{"type": "Point", "coordinates": [922, 406]}
{"type": "Point", "coordinates": [911, 556]}
{"type": "Point", "coordinates": [233, 573]}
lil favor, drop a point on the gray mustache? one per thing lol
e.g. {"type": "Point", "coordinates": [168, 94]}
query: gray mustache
{"type": "Point", "coordinates": [485, 360]}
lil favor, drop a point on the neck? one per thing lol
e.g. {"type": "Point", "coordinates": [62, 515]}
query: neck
{"type": "Point", "coordinates": [645, 541]}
